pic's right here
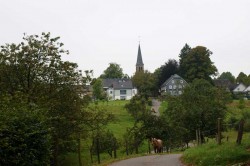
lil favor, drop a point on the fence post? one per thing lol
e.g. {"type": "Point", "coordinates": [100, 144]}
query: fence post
{"type": "Point", "coordinates": [219, 131]}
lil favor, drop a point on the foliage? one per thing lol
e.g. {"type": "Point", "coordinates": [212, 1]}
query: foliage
{"type": "Point", "coordinates": [113, 71]}
{"type": "Point", "coordinates": [137, 107]}
{"type": "Point", "coordinates": [165, 71]}
{"type": "Point", "coordinates": [196, 64]}
{"type": "Point", "coordinates": [24, 138]}
{"type": "Point", "coordinates": [198, 108]}
{"type": "Point", "coordinates": [183, 54]}
{"type": "Point", "coordinates": [33, 75]}
{"type": "Point", "coordinates": [98, 91]}
{"type": "Point", "coordinates": [107, 142]}
{"type": "Point", "coordinates": [133, 139]}
{"type": "Point", "coordinates": [144, 82]}
{"type": "Point", "coordinates": [97, 119]}
{"type": "Point", "coordinates": [243, 78]}
{"type": "Point", "coordinates": [227, 75]}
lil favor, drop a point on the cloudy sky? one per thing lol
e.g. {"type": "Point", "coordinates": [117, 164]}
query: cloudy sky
{"type": "Point", "coordinates": [98, 32]}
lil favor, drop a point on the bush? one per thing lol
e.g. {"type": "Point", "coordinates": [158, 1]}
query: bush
{"type": "Point", "coordinates": [24, 139]}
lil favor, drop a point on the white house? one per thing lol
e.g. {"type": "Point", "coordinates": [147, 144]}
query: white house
{"type": "Point", "coordinates": [239, 88]}
{"type": "Point", "coordinates": [247, 89]}
{"type": "Point", "coordinates": [119, 89]}
{"type": "Point", "coordinates": [174, 85]}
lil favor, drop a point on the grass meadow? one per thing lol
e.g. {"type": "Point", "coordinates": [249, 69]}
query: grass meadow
{"type": "Point", "coordinates": [119, 127]}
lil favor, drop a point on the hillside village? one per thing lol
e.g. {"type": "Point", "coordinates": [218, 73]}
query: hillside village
{"type": "Point", "coordinates": [124, 89]}
{"type": "Point", "coordinates": [50, 115]}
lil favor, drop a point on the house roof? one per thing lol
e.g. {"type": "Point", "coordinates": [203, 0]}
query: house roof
{"type": "Point", "coordinates": [239, 87]}
{"type": "Point", "coordinates": [117, 83]}
{"type": "Point", "coordinates": [173, 77]}
{"type": "Point", "coordinates": [247, 89]}
{"type": "Point", "coordinates": [139, 57]}
{"type": "Point", "coordinates": [224, 83]}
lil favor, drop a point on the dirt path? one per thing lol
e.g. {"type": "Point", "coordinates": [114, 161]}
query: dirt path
{"type": "Point", "coordinates": [154, 160]}
{"type": "Point", "coordinates": [155, 106]}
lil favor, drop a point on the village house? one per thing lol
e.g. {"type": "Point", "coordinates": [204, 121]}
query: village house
{"type": "Point", "coordinates": [174, 85]}
{"type": "Point", "coordinates": [119, 89]}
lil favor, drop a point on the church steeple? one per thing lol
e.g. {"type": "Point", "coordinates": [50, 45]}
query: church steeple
{"type": "Point", "coordinates": [139, 63]}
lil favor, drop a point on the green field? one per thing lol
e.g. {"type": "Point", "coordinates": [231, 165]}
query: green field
{"type": "Point", "coordinates": [122, 121]}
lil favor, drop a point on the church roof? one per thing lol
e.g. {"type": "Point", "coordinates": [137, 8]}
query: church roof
{"type": "Point", "coordinates": [139, 57]}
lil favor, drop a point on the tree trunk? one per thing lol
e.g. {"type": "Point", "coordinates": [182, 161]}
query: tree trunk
{"type": "Point", "coordinates": [79, 150]}
{"type": "Point", "coordinates": [240, 132]}
{"type": "Point", "coordinates": [55, 153]}
{"type": "Point", "coordinates": [98, 150]}
{"type": "Point", "coordinates": [126, 147]}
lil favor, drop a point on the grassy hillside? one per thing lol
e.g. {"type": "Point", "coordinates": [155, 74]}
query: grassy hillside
{"type": "Point", "coordinates": [119, 127]}
{"type": "Point", "coordinates": [228, 153]}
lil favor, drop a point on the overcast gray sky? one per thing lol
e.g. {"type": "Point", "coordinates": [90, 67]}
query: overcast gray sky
{"type": "Point", "coordinates": [98, 32]}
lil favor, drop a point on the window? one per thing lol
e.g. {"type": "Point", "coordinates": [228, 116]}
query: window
{"type": "Point", "coordinates": [180, 86]}
{"type": "Point", "coordinates": [173, 81]}
{"type": "Point", "coordinates": [123, 92]}
{"type": "Point", "coordinates": [110, 92]}
{"type": "Point", "coordinates": [170, 86]}
{"type": "Point", "coordinates": [181, 81]}
{"type": "Point", "coordinates": [174, 86]}
{"type": "Point", "coordinates": [180, 92]}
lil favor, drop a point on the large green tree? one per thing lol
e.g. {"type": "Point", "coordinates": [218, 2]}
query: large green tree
{"type": "Point", "coordinates": [144, 82]}
{"type": "Point", "coordinates": [184, 52]}
{"type": "Point", "coordinates": [113, 71]}
{"type": "Point", "coordinates": [170, 68]}
{"type": "Point", "coordinates": [197, 109]}
{"type": "Point", "coordinates": [33, 73]}
{"type": "Point", "coordinates": [196, 64]}
{"type": "Point", "coordinates": [227, 75]}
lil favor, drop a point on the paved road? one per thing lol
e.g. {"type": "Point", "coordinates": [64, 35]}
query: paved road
{"type": "Point", "coordinates": [154, 160]}
{"type": "Point", "coordinates": [156, 105]}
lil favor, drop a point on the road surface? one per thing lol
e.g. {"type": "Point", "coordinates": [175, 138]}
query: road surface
{"type": "Point", "coordinates": [154, 160]}
{"type": "Point", "coordinates": [155, 106]}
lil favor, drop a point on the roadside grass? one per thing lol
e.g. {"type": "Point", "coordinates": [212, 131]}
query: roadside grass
{"type": "Point", "coordinates": [163, 107]}
{"type": "Point", "coordinates": [228, 153]}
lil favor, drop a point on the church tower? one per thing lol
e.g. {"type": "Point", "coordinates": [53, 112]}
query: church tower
{"type": "Point", "coordinates": [139, 63]}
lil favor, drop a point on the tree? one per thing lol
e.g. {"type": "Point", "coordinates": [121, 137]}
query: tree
{"type": "Point", "coordinates": [198, 108]}
{"type": "Point", "coordinates": [24, 137]}
{"type": "Point", "coordinates": [227, 75]}
{"type": "Point", "coordinates": [196, 64]}
{"type": "Point", "coordinates": [243, 78]}
{"type": "Point", "coordinates": [98, 91]}
{"type": "Point", "coordinates": [144, 82]}
{"type": "Point", "coordinates": [184, 52]}
{"type": "Point", "coordinates": [98, 118]}
{"type": "Point", "coordinates": [166, 71]}
{"type": "Point", "coordinates": [113, 71]}
{"type": "Point", "coordinates": [34, 73]}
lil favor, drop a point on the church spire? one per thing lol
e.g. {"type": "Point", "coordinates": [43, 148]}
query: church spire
{"type": "Point", "coordinates": [139, 63]}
